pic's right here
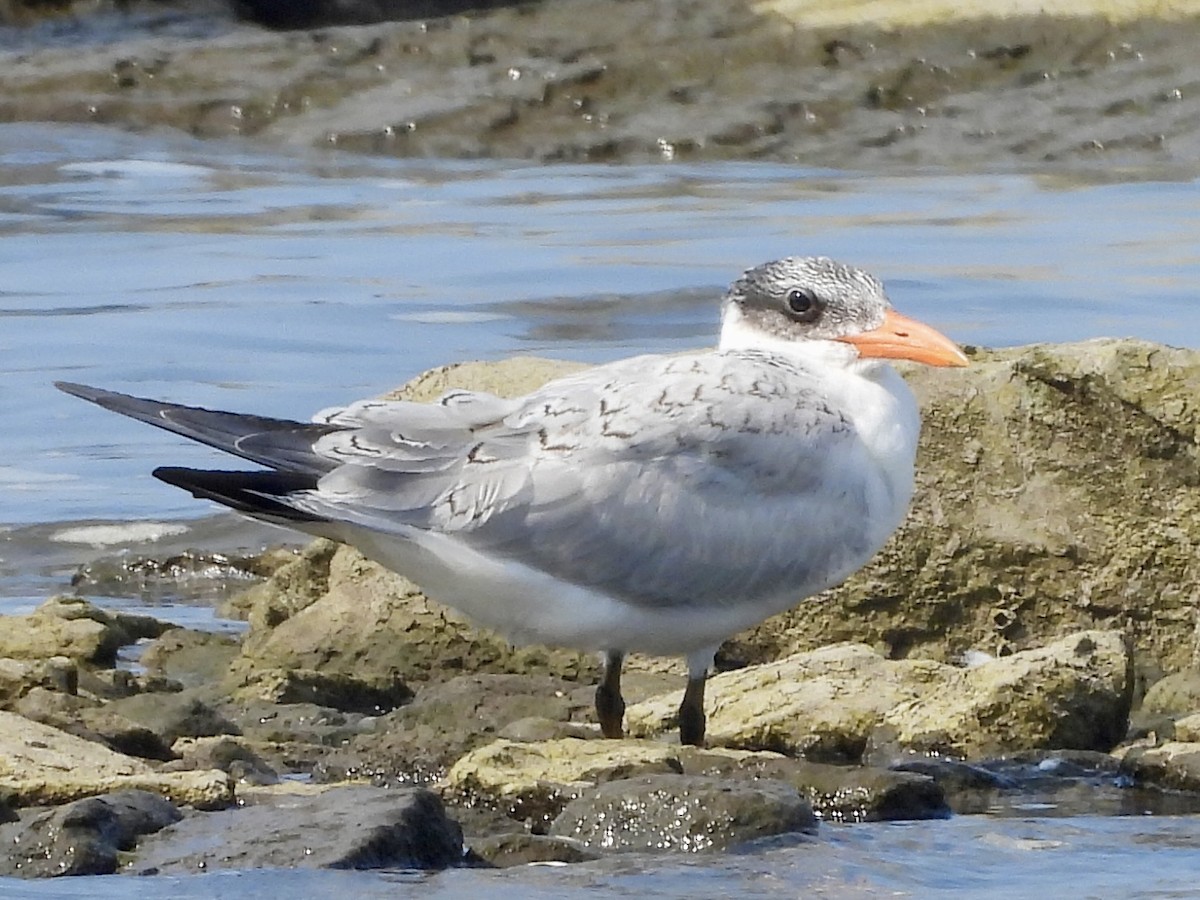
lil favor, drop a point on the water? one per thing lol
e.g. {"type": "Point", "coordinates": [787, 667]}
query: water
{"type": "Point", "coordinates": [230, 276]}
{"type": "Point", "coordinates": [969, 856]}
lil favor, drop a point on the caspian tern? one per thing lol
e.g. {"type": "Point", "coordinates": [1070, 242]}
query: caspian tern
{"type": "Point", "coordinates": [656, 504]}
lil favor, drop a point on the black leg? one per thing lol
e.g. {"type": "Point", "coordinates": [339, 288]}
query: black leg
{"type": "Point", "coordinates": [691, 712]}
{"type": "Point", "coordinates": [610, 705]}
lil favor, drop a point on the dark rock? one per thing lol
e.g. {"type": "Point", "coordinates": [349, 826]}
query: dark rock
{"type": "Point", "coordinates": [836, 793]}
{"type": "Point", "coordinates": [688, 813]}
{"type": "Point", "coordinates": [522, 848]}
{"type": "Point", "coordinates": [190, 657]}
{"type": "Point", "coordinates": [418, 742]}
{"type": "Point", "coordinates": [339, 828]}
{"type": "Point", "coordinates": [968, 788]}
{"type": "Point", "coordinates": [290, 14]}
{"type": "Point", "coordinates": [172, 716]}
{"type": "Point", "coordinates": [232, 755]}
{"type": "Point", "coordinates": [331, 689]}
{"type": "Point", "coordinates": [85, 837]}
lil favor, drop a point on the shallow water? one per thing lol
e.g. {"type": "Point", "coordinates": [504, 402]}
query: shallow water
{"type": "Point", "coordinates": [221, 275]}
{"type": "Point", "coordinates": [226, 275]}
{"type": "Point", "coordinates": [969, 856]}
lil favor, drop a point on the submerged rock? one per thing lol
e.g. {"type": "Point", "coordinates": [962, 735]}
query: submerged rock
{"type": "Point", "coordinates": [1174, 765]}
{"type": "Point", "coordinates": [85, 837]}
{"type": "Point", "coordinates": [688, 813]}
{"type": "Point", "coordinates": [536, 781]}
{"type": "Point", "coordinates": [336, 828]}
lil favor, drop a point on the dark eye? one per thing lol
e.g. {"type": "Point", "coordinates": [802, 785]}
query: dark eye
{"type": "Point", "coordinates": [803, 304]}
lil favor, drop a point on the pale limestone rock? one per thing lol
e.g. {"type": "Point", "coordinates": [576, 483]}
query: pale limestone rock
{"type": "Point", "coordinates": [1072, 694]}
{"type": "Point", "coordinates": [42, 765]}
{"type": "Point", "coordinates": [822, 704]}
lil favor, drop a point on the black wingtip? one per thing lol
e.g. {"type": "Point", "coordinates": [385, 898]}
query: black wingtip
{"type": "Point", "coordinates": [257, 494]}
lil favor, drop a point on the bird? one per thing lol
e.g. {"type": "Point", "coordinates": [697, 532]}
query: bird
{"type": "Point", "coordinates": [655, 504]}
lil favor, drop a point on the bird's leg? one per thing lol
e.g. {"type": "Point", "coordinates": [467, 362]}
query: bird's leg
{"type": "Point", "coordinates": [610, 705]}
{"type": "Point", "coordinates": [691, 710]}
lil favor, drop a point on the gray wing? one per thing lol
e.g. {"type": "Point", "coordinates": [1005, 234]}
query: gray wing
{"type": "Point", "coordinates": [727, 467]}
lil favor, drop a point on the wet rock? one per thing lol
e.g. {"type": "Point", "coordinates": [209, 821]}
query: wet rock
{"type": "Point", "coordinates": [836, 793]}
{"type": "Point", "coordinates": [822, 705]}
{"type": "Point", "coordinates": [200, 575]}
{"type": "Point", "coordinates": [323, 13]}
{"type": "Point", "coordinates": [190, 657]}
{"type": "Point", "coordinates": [535, 781]}
{"type": "Point", "coordinates": [174, 715]}
{"type": "Point", "coordinates": [824, 83]}
{"type": "Point", "coordinates": [687, 813]}
{"type": "Point", "coordinates": [123, 734]}
{"type": "Point", "coordinates": [85, 837]}
{"type": "Point", "coordinates": [969, 789]}
{"type": "Point", "coordinates": [335, 690]}
{"type": "Point", "coordinates": [236, 756]}
{"type": "Point", "coordinates": [503, 850]}
{"type": "Point", "coordinates": [418, 742]}
{"type": "Point", "coordinates": [337, 828]}
{"type": "Point", "coordinates": [1174, 765]}
{"type": "Point", "coordinates": [1073, 694]}
{"type": "Point", "coordinates": [41, 765]}
{"type": "Point", "coordinates": [20, 676]}
{"type": "Point", "coordinates": [72, 627]}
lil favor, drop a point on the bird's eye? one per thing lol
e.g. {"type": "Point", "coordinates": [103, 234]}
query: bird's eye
{"type": "Point", "coordinates": [803, 304]}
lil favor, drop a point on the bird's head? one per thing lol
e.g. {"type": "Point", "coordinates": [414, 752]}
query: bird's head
{"type": "Point", "coordinates": [804, 300]}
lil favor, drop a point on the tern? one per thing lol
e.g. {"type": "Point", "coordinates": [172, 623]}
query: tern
{"type": "Point", "coordinates": [658, 504]}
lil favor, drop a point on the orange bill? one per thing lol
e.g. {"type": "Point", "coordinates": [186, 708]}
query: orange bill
{"type": "Point", "coordinates": [900, 337]}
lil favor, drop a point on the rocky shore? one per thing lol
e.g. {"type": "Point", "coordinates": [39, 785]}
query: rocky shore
{"type": "Point", "coordinates": [1030, 632]}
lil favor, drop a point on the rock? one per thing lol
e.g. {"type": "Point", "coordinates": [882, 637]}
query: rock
{"type": "Point", "coordinates": [1055, 493]}
{"type": "Point", "coordinates": [122, 734]}
{"type": "Point", "coordinates": [1174, 694]}
{"type": "Point", "coordinates": [535, 781]}
{"type": "Point", "coordinates": [335, 690]}
{"type": "Point", "coordinates": [233, 755]}
{"type": "Point", "coordinates": [73, 628]}
{"type": "Point", "coordinates": [1187, 729]}
{"type": "Point", "coordinates": [356, 827]}
{"type": "Point", "coordinates": [687, 813]}
{"type": "Point", "coordinates": [19, 676]}
{"type": "Point", "coordinates": [190, 657]}
{"type": "Point", "coordinates": [503, 850]}
{"type": "Point", "coordinates": [85, 837]}
{"type": "Point", "coordinates": [323, 13]}
{"type": "Point", "coordinates": [835, 793]}
{"type": "Point", "coordinates": [1073, 694]}
{"type": "Point", "coordinates": [41, 765]}
{"type": "Point", "coordinates": [821, 82]}
{"type": "Point", "coordinates": [173, 715]}
{"type": "Point", "coordinates": [969, 789]}
{"type": "Point", "coordinates": [822, 705]}
{"type": "Point", "coordinates": [1174, 765]}
{"type": "Point", "coordinates": [418, 742]}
